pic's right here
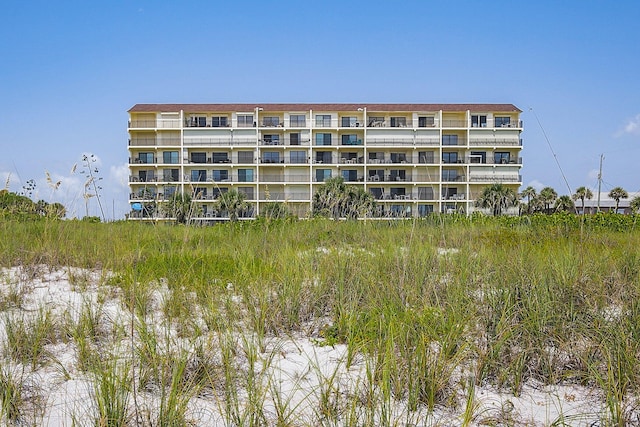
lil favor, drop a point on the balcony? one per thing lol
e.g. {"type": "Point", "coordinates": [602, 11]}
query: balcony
{"type": "Point", "coordinates": [389, 178]}
{"type": "Point", "coordinates": [219, 141]}
{"type": "Point", "coordinates": [271, 178]}
{"type": "Point", "coordinates": [454, 123]}
{"type": "Point", "coordinates": [133, 178]}
{"type": "Point", "coordinates": [496, 142]}
{"type": "Point", "coordinates": [495, 178]}
{"type": "Point", "coordinates": [393, 122]}
{"type": "Point", "coordinates": [457, 178]}
{"type": "Point", "coordinates": [352, 161]}
{"type": "Point", "coordinates": [392, 141]}
{"type": "Point", "coordinates": [351, 142]}
{"type": "Point", "coordinates": [139, 161]}
{"type": "Point", "coordinates": [272, 160]}
{"type": "Point", "coordinates": [295, 123]}
{"type": "Point", "coordinates": [478, 160]}
{"type": "Point", "coordinates": [272, 122]}
{"type": "Point", "coordinates": [154, 124]}
{"type": "Point", "coordinates": [204, 122]}
{"type": "Point", "coordinates": [427, 141]}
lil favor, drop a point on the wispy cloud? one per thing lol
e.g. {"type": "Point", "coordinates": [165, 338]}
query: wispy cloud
{"type": "Point", "coordinates": [120, 175]}
{"type": "Point", "coordinates": [536, 184]}
{"type": "Point", "coordinates": [632, 127]}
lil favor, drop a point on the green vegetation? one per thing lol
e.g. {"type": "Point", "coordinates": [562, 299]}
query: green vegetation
{"type": "Point", "coordinates": [435, 308]}
{"type": "Point", "coordinates": [18, 206]}
{"type": "Point", "coordinates": [335, 199]}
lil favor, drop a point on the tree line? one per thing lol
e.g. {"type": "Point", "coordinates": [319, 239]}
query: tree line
{"type": "Point", "coordinates": [498, 198]}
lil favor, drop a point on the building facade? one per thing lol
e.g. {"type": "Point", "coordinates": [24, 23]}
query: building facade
{"type": "Point", "coordinates": [415, 159]}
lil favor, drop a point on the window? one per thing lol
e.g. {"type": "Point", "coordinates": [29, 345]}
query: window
{"type": "Point", "coordinates": [350, 174]}
{"type": "Point", "coordinates": [169, 191]}
{"type": "Point", "coordinates": [245, 121]}
{"type": "Point", "coordinates": [146, 176]}
{"type": "Point", "coordinates": [245, 175]}
{"type": "Point", "coordinates": [377, 157]}
{"type": "Point", "coordinates": [323, 120]}
{"type": "Point", "coordinates": [220, 175]}
{"type": "Point", "coordinates": [395, 192]}
{"type": "Point", "coordinates": [377, 192]}
{"type": "Point", "coordinates": [323, 157]}
{"type": "Point", "coordinates": [400, 210]}
{"type": "Point", "coordinates": [298, 156]}
{"type": "Point", "coordinates": [449, 139]}
{"type": "Point", "coordinates": [271, 157]}
{"type": "Point", "coordinates": [198, 175]}
{"type": "Point", "coordinates": [397, 175]}
{"type": "Point", "coordinates": [294, 139]}
{"type": "Point", "coordinates": [425, 157]}
{"type": "Point", "coordinates": [217, 191]}
{"type": "Point", "coordinates": [478, 121]}
{"type": "Point", "coordinates": [199, 193]}
{"type": "Point", "coordinates": [218, 122]}
{"type": "Point", "coordinates": [297, 120]}
{"type": "Point", "coordinates": [501, 157]}
{"type": "Point", "coordinates": [478, 157]}
{"type": "Point", "coordinates": [271, 139]}
{"type": "Point", "coordinates": [198, 157]}
{"type": "Point", "coordinates": [398, 158]}
{"type": "Point", "coordinates": [349, 122]}
{"type": "Point", "coordinates": [376, 174]}
{"type": "Point", "coordinates": [424, 210]}
{"type": "Point", "coordinates": [426, 122]}
{"type": "Point", "coordinates": [145, 158]}
{"type": "Point", "coordinates": [245, 156]}
{"type": "Point", "coordinates": [323, 139]}
{"type": "Point", "coordinates": [351, 157]}
{"type": "Point", "coordinates": [503, 122]}
{"type": "Point", "coordinates": [449, 175]}
{"type": "Point", "coordinates": [271, 121]}
{"type": "Point", "coordinates": [322, 174]}
{"type": "Point", "coordinates": [220, 157]}
{"type": "Point", "coordinates": [197, 121]}
{"type": "Point", "coordinates": [247, 191]}
{"type": "Point", "coordinates": [449, 157]}
{"type": "Point", "coordinates": [170, 157]}
{"type": "Point", "coordinates": [398, 122]}
{"type": "Point", "coordinates": [449, 193]}
{"type": "Point", "coordinates": [376, 121]}
{"type": "Point", "coordinates": [425, 193]}
{"type": "Point", "coordinates": [351, 139]}
{"type": "Point", "coordinates": [171, 175]}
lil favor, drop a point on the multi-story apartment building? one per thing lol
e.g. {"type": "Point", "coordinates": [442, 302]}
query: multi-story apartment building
{"type": "Point", "coordinates": [414, 158]}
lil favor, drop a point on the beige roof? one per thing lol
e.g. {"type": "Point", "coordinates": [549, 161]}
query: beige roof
{"type": "Point", "coordinates": [193, 108]}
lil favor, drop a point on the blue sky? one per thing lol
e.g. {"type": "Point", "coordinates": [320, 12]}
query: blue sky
{"type": "Point", "coordinates": [70, 71]}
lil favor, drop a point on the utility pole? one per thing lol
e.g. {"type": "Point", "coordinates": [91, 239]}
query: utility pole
{"type": "Point", "coordinates": [600, 180]}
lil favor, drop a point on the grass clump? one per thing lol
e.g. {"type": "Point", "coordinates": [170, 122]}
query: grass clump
{"type": "Point", "coordinates": [431, 310]}
{"type": "Point", "coordinates": [28, 336]}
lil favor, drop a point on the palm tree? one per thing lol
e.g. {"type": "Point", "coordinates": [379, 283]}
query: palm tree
{"type": "Point", "coordinates": [232, 202]}
{"type": "Point", "coordinates": [635, 204]}
{"type": "Point", "coordinates": [497, 197]}
{"type": "Point", "coordinates": [564, 204]}
{"type": "Point", "coordinates": [581, 194]}
{"type": "Point", "coordinates": [547, 197]}
{"type": "Point", "coordinates": [529, 193]}
{"type": "Point", "coordinates": [336, 200]}
{"type": "Point", "coordinates": [361, 202]}
{"type": "Point", "coordinates": [180, 208]}
{"type": "Point", "coordinates": [617, 194]}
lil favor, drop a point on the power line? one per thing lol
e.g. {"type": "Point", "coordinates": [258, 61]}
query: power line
{"type": "Point", "coordinates": [552, 152]}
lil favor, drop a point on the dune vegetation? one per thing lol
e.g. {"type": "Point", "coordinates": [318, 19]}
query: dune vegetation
{"type": "Point", "coordinates": [425, 313]}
